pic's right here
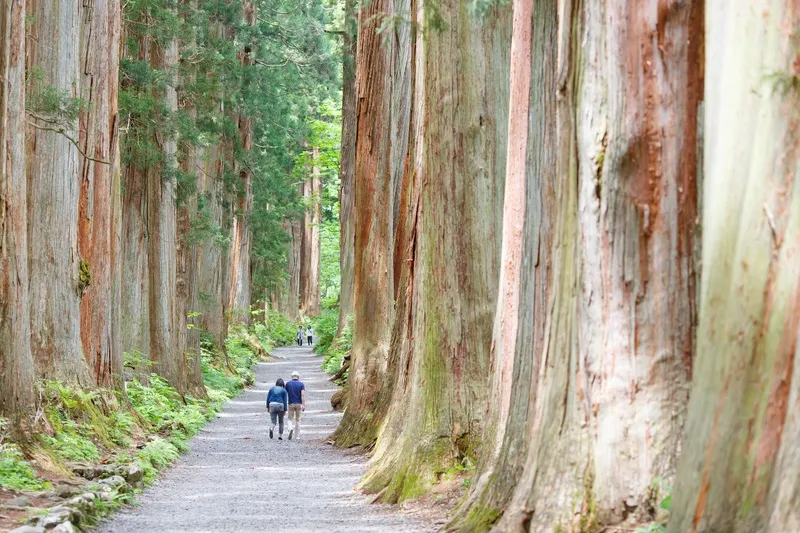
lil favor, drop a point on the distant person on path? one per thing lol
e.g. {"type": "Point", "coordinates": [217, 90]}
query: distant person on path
{"type": "Point", "coordinates": [277, 405]}
{"type": "Point", "coordinates": [300, 335]}
{"type": "Point", "coordinates": [310, 335]}
{"type": "Point", "coordinates": [297, 403]}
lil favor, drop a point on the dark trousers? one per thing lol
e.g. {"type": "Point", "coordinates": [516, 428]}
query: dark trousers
{"type": "Point", "coordinates": [276, 413]}
{"type": "Point", "coordinates": [309, 340]}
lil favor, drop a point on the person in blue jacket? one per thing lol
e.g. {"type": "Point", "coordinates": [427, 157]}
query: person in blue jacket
{"type": "Point", "coordinates": [277, 405]}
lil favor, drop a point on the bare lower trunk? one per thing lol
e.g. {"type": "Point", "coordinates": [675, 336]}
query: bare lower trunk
{"type": "Point", "coordinates": [309, 270]}
{"type": "Point", "coordinates": [593, 335]}
{"type": "Point", "coordinates": [457, 252]}
{"type": "Point", "coordinates": [348, 164]}
{"type": "Point", "coordinates": [18, 400]}
{"type": "Point", "coordinates": [162, 243]}
{"type": "Point", "coordinates": [187, 305]}
{"type": "Point", "coordinates": [372, 275]}
{"type": "Point", "coordinates": [293, 255]}
{"type": "Point", "coordinates": [239, 284]}
{"type": "Point", "coordinates": [135, 324]}
{"type": "Point", "coordinates": [739, 467]}
{"type": "Point", "coordinates": [212, 262]}
{"type": "Point", "coordinates": [98, 179]}
{"type": "Point", "coordinates": [58, 274]}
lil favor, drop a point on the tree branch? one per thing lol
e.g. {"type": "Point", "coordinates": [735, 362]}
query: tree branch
{"type": "Point", "coordinates": [70, 139]}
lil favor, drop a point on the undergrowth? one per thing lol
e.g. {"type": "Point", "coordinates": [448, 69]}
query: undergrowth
{"type": "Point", "coordinates": [149, 424]}
{"type": "Point", "coordinates": [332, 349]}
{"type": "Point", "coordinates": [15, 472]}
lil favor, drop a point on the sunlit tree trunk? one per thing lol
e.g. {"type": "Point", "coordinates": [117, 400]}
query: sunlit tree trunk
{"type": "Point", "coordinates": [348, 163]}
{"type": "Point", "coordinates": [98, 195]}
{"type": "Point", "coordinates": [592, 344]}
{"type": "Point", "coordinates": [739, 466]}
{"type": "Point", "coordinates": [18, 400]}
{"type": "Point", "coordinates": [59, 276]}
{"type": "Point", "coordinates": [372, 273]}
{"type": "Point", "coordinates": [457, 251]}
{"type": "Point", "coordinates": [293, 258]}
{"type": "Point", "coordinates": [309, 268]}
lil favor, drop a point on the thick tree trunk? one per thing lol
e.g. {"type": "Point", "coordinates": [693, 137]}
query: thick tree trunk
{"type": "Point", "coordinates": [239, 291]}
{"type": "Point", "coordinates": [188, 299]}
{"type": "Point", "coordinates": [293, 258]}
{"type": "Point", "coordinates": [135, 327]}
{"type": "Point", "coordinates": [18, 400]}
{"type": "Point", "coordinates": [162, 243]}
{"type": "Point", "coordinates": [58, 274]}
{"type": "Point", "coordinates": [457, 251]}
{"type": "Point", "coordinates": [739, 467]}
{"type": "Point", "coordinates": [309, 268]}
{"type": "Point", "coordinates": [372, 274]}
{"type": "Point", "coordinates": [347, 164]}
{"type": "Point", "coordinates": [593, 343]}
{"type": "Point", "coordinates": [212, 254]}
{"type": "Point", "coordinates": [96, 215]}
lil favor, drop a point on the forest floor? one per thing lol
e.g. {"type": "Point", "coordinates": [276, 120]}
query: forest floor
{"type": "Point", "coordinates": [235, 478]}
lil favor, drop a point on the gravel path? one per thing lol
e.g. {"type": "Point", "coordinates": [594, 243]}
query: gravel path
{"type": "Point", "coordinates": [235, 478]}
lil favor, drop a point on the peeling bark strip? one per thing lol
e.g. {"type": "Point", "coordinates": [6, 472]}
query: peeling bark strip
{"type": "Point", "coordinates": [738, 471]}
{"type": "Point", "coordinates": [18, 401]}
{"type": "Point", "coordinates": [99, 188]}
{"type": "Point", "coordinates": [59, 276]}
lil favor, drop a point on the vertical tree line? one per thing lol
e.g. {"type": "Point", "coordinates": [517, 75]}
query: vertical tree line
{"type": "Point", "coordinates": [146, 170]}
{"type": "Point", "coordinates": [528, 237]}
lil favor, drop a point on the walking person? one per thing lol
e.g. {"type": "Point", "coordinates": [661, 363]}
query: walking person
{"type": "Point", "coordinates": [310, 335]}
{"type": "Point", "coordinates": [297, 403]}
{"type": "Point", "coordinates": [299, 335]}
{"type": "Point", "coordinates": [277, 405]}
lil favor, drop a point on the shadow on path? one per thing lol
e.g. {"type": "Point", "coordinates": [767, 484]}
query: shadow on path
{"type": "Point", "coordinates": [235, 478]}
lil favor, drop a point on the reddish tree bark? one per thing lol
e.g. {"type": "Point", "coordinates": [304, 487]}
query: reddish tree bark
{"type": "Point", "coordinates": [58, 274]}
{"type": "Point", "coordinates": [347, 164]}
{"type": "Point", "coordinates": [591, 393]}
{"type": "Point", "coordinates": [239, 291]}
{"type": "Point", "coordinates": [310, 247]}
{"type": "Point", "coordinates": [99, 183]}
{"type": "Point", "coordinates": [18, 401]}
{"type": "Point", "coordinates": [464, 69]}
{"type": "Point", "coordinates": [372, 276]}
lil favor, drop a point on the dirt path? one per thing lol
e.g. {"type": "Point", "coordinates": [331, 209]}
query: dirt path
{"type": "Point", "coordinates": [235, 478]}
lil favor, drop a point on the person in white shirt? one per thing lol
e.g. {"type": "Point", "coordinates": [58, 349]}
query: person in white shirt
{"type": "Point", "coordinates": [310, 335]}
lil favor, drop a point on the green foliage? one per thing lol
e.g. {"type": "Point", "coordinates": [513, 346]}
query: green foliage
{"type": "Point", "coordinates": [156, 455]}
{"type": "Point", "coordinates": [332, 349]}
{"type": "Point", "coordinates": [162, 406]}
{"type": "Point", "coordinates": [78, 416]}
{"type": "Point", "coordinates": [72, 444]}
{"type": "Point", "coordinates": [280, 331]}
{"type": "Point", "coordinates": [16, 473]}
{"type": "Point", "coordinates": [329, 272]}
